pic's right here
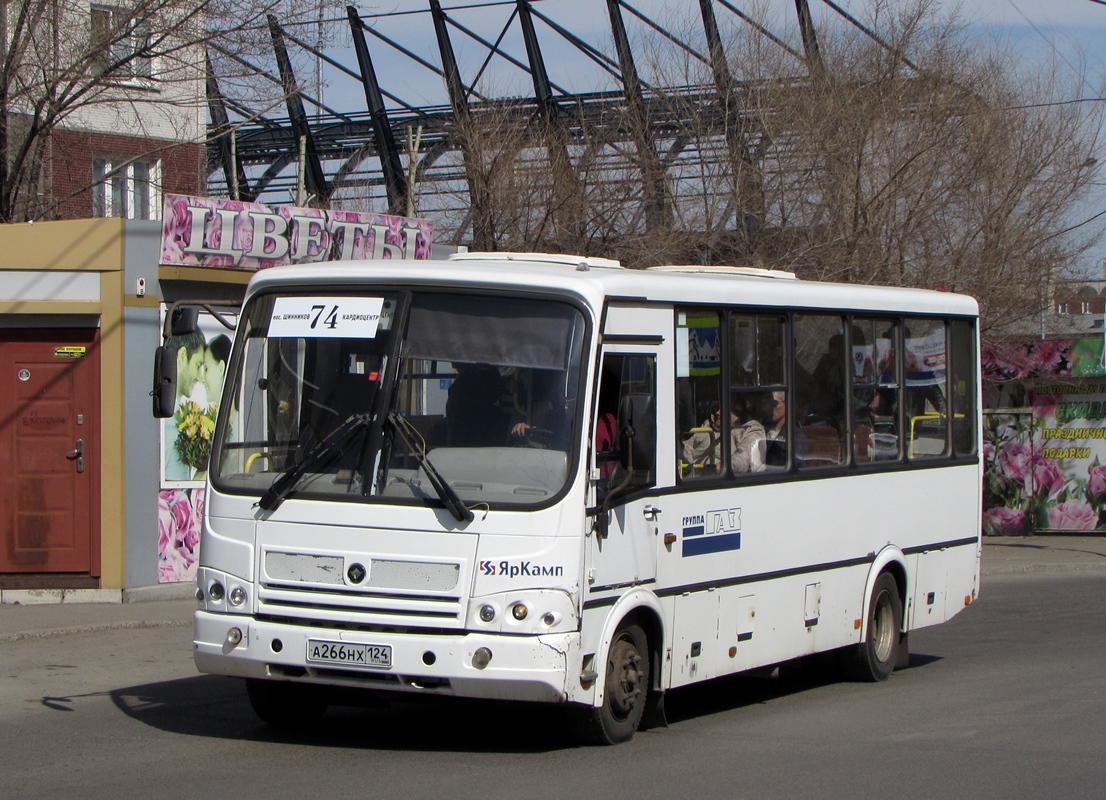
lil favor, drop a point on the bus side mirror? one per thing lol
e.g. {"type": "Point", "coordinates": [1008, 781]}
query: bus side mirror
{"type": "Point", "coordinates": [164, 392]}
{"type": "Point", "coordinates": [184, 320]}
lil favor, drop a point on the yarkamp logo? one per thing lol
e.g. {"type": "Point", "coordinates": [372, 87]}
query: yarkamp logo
{"type": "Point", "coordinates": [712, 532]}
{"type": "Point", "coordinates": [515, 569]}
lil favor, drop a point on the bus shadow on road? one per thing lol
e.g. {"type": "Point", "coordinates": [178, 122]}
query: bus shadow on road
{"type": "Point", "coordinates": [216, 706]}
{"type": "Point", "coordinates": [734, 692]}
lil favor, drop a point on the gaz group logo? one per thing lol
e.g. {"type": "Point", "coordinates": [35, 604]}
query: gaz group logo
{"type": "Point", "coordinates": [515, 569]}
{"type": "Point", "coordinates": [712, 532]}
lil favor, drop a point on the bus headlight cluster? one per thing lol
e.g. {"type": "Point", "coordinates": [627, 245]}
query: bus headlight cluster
{"type": "Point", "coordinates": [531, 611]}
{"type": "Point", "coordinates": [221, 592]}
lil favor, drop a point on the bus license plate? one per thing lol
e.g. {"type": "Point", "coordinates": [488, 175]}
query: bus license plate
{"type": "Point", "coordinates": [349, 654]}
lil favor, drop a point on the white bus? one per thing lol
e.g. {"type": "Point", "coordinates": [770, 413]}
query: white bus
{"type": "Point", "coordinates": [555, 479]}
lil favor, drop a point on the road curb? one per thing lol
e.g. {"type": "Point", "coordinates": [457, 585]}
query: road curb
{"type": "Point", "coordinates": [137, 594]}
{"type": "Point", "coordinates": [99, 627]}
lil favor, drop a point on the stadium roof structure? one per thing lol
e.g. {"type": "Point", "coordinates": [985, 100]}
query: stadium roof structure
{"type": "Point", "coordinates": [629, 124]}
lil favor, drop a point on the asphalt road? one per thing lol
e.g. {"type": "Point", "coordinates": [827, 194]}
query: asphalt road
{"type": "Point", "coordinates": [1005, 701]}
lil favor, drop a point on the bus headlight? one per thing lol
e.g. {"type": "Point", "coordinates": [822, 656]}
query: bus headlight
{"type": "Point", "coordinates": [527, 611]}
{"type": "Point", "coordinates": [222, 592]}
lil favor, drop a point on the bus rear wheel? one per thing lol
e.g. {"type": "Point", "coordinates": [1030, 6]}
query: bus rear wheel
{"type": "Point", "coordinates": [285, 705]}
{"type": "Point", "coordinates": [874, 659]}
{"type": "Point", "coordinates": [625, 689]}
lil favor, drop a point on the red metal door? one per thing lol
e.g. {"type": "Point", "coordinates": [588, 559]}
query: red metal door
{"type": "Point", "coordinates": [49, 409]}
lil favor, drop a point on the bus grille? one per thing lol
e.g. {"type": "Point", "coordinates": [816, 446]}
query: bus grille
{"type": "Point", "coordinates": [382, 573]}
{"type": "Point", "coordinates": [340, 609]}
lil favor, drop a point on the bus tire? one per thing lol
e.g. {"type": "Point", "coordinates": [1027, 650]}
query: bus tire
{"type": "Point", "coordinates": [875, 657]}
{"type": "Point", "coordinates": [285, 705]}
{"type": "Point", "coordinates": [626, 688]}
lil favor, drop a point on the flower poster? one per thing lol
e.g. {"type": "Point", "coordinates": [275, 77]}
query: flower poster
{"type": "Point", "coordinates": [1045, 469]}
{"type": "Point", "coordinates": [186, 436]}
{"type": "Point", "coordinates": [180, 515]}
{"type": "Point", "coordinates": [186, 445]}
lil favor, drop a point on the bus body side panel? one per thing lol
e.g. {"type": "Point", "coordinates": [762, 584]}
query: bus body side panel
{"type": "Point", "coordinates": [758, 574]}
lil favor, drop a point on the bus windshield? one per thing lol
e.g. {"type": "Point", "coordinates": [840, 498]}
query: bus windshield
{"type": "Point", "coordinates": [386, 395]}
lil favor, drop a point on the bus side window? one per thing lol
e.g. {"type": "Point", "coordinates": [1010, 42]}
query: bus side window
{"type": "Point", "coordinates": [758, 423]}
{"type": "Point", "coordinates": [925, 363]}
{"type": "Point", "coordinates": [962, 350]}
{"type": "Point", "coordinates": [875, 391]}
{"type": "Point", "coordinates": [698, 394]}
{"type": "Point", "coordinates": [820, 394]}
{"type": "Point", "coordinates": [632, 462]}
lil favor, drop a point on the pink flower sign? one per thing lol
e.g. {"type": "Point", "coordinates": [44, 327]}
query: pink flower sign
{"type": "Point", "coordinates": [211, 232]}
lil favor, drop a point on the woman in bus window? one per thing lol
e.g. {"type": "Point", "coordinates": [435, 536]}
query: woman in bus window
{"type": "Point", "coordinates": [746, 441]}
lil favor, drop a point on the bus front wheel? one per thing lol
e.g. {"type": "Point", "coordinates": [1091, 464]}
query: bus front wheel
{"type": "Point", "coordinates": [874, 658]}
{"type": "Point", "coordinates": [625, 689]}
{"type": "Point", "coordinates": [285, 705]}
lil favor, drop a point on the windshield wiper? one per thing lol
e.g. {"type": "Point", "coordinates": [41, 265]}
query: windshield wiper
{"type": "Point", "coordinates": [446, 493]}
{"type": "Point", "coordinates": [330, 448]}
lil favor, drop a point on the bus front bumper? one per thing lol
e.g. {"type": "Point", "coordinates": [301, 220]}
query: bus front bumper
{"type": "Point", "coordinates": [522, 668]}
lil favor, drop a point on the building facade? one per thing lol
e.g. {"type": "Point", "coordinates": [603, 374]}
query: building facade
{"type": "Point", "coordinates": [105, 110]}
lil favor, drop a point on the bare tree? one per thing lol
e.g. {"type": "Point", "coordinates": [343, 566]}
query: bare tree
{"type": "Point", "coordinates": [914, 154]}
{"type": "Point", "coordinates": [958, 168]}
{"type": "Point", "coordinates": [134, 68]}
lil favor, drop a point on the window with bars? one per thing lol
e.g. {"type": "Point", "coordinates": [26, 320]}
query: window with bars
{"type": "Point", "coordinates": [126, 188]}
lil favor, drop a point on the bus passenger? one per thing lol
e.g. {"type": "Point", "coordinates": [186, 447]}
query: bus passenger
{"type": "Point", "coordinates": [776, 431]}
{"type": "Point", "coordinates": [746, 442]}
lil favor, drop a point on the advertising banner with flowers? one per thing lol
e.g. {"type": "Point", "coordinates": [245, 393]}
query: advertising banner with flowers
{"type": "Point", "coordinates": [212, 232]}
{"type": "Point", "coordinates": [1045, 452]}
{"type": "Point", "coordinates": [186, 443]}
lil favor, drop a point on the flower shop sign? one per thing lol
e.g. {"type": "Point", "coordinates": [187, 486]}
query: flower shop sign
{"type": "Point", "coordinates": [210, 232]}
{"type": "Point", "coordinates": [1047, 471]}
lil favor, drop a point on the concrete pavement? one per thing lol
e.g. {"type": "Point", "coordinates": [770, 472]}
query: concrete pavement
{"type": "Point", "coordinates": [54, 612]}
{"type": "Point", "coordinates": [1014, 555]}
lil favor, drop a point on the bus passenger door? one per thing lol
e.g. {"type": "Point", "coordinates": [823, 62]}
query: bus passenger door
{"type": "Point", "coordinates": [622, 548]}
